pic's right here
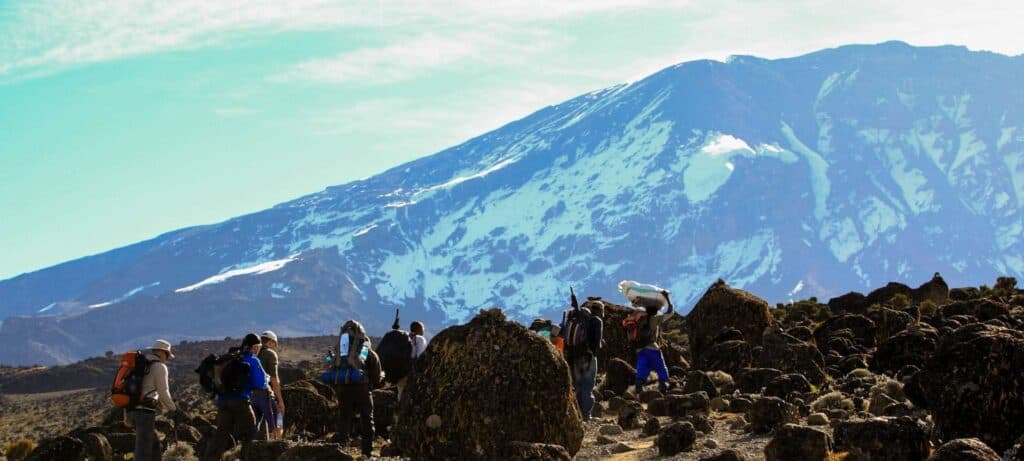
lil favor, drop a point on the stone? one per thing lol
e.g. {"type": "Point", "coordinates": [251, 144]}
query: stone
{"type": "Point", "coordinates": [652, 427]}
{"type": "Point", "coordinates": [983, 309]}
{"type": "Point", "coordinates": [680, 405]}
{"type": "Point", "coordinates": [315, 452]}
{"type": "Point", "coordinates": [658, 407]}
{"type": "Point", "coordinates": [769, 413]}
{"type": "Point", "coordinates": [882, 439]}
{"type": "Point", "coordinates": [615, 403]}
{"type": "Point", "coordinates": [610, 429]}
{"type": "Point", "coordinates": [971, 384]}
{"type": "Point", "coordinates": [784, 352]}
{"type": "Point", "coordinates": [721, 307]}
{"type": "Point", "coordinates": [264, 450]}
{"type": "Point", "coordinates": [740, 404]}
{"type": "Point", "coordinates": [648, 395]}
{"type": "Point", "coordinates": [719, 404]}
{"type": "Point", "coordinates": [862, 330]}
{"type": "Point", "coordinates": [793, 442]}
{"type": "Point", "coordinates": [58, 448]}
{"type": "Point", "coordinates": [935, 290]}
{"type": "Point", "coordinates": [308, 409]}
{"type": "Point", "coordinates": [97, 448]}
{"type": "Point", "coordinates": [385, 411]}
{"type": "Point", "coordinates": [697, 381]}
{"type": "Point", "coordinates": [728, 356]}
{"type": "Point", "coordinates": [754, 380]}
{"type": "Point", "coordinates": [533, 378]}
{"type": "Point", "coordinates": [188, 434]}
{"type": "Point", "coordinates": [619, 376]}
{"type": "Point", "coordinates": [620, 447]}
{"type": "Point", "coordinates": [629, 416]}
{"type": "Point", "coordinates": [787, 384]}
{"type": "Point", "coordinates": [965, 450]}
{"type": "Point", "coordinates": [852, 302]}
{"type": "Point", "coordinates": [675, 438]}
{"type": "Point", "coordinates": [524, 451]}
{"type": "Point", "coordinates": [817, 419]}
{"type": "Point", "coordinates": [711, 444]}
{"type": "Point", "coordinates": [605, 440]}
{"type": "Point", "coordinates": [121, 443]}
{"type": "Point", "coordinates": [725, 455]}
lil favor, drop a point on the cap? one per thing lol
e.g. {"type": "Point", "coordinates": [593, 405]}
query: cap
{"type": "Point", "coordinates": [251, 340]}
{"type": "Point", "coordinates": [162, 345]}
{"type": "Point", "coordinates": [269, 335]}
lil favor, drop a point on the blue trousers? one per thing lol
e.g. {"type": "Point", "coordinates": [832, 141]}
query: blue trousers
{"type": "Point", "coordinates": [584, 376]}
{"type": "Point", "coordinates": [648, 360]}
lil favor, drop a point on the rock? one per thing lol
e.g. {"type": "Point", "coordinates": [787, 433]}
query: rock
{"type": "Point", "coordinates": [852, 302]}
{"type": "Point", "coordinates": [935, 290]}
{"type": "Point", "coordinates": [793, 442]}
{"type": "Point", "coordinates": [728, 356]}
{"type": "Point", "coordinates": [739, 422]}
{"type": "Point", "coordinates": [605, 440]}
{"type": "Point", "coordinates": [753, 380]}
{"type": "Point", "coordinates": [740, 404]}
{"type": "Point", "coordinates": [598, 410]}
{"type": "Point", "coordinates": [264, 450]}
{"type": "Point", "coordinates": [680, 405]}
{"type": "Point", "coordinates": [629, 415]}
{"type": "Point", "coordinates": [725, 307]}
{"type": "Point", "coordinates": [972, 385]}
{"type": "Point", "coordinates": [615, 403]}
{"type": "Point", "coordinates": [652, 427]}
{"type": "Point", "coordinates": [719, 404]}
{"type": "Point", "coordinates": [524, 451]}
{"type": "Point", "coordinates": [620, 447]}
{"type": "Point", "coordinates": [433, 422]}
{"type": "Point", "coordinates": [610, 429]}
{"type": "Point", "coordinates": [882, 439]}
{"type": "Point", "coordinates": [963, 294]}
{"type": "Point", "coordinates": [885, 294]}
{"type": "Point", "coordinates": [786, 353]}
{"type": "Point", "coordinates": [817, 419]}
{"type": "Point", "coordinates": [785, 385]}
{"type": "Point", "coordinates": [619, 376]}
{"type": "Point", "coordinates": [289, 375]}
{"type": "Point", "coordinates": [448, 382]}
{"type": "Point", "coordinates": [700, 422]}
{"type": "Point", "coordinates": [308, 409]}
{"type": "Point", "coordinates": [97, 448]}
{"type": "Point", "coordinates": [58, 448]}
{"type": "Point", "coordinates": [861, 328]}
{"type": "Point", "coordinates": [697, 381]}
{"type": "Point", "coordinates": [658, 407]}
{"type": "Point", "coordinates": [121, 443]}
{"type": "Point", "coordinates": [890, 322]}
{"type": "Point", "coordinates": [648, 395]}
{"type": "Point", "coordinates": [983, 309]}
{"type": "Point", "coordinates": [315, 452]}
{"type": "Point", "coordinates": [769, 413]}
{"type": "Point", "coordinates": [675, 438]}
{"type": "Point", "coordinates": [965, 450]}
{"type": "Point", "coordinates": [385, 411]}
{"type": "Point", "coordinates": [711, 444]}
{"type": "Point", "coordinates": [725, 455]}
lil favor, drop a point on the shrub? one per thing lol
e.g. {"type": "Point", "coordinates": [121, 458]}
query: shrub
{"type": "Point", "coordinates": [928, 307]}
{"type": "Point", "coordinates": [832, 401]}
{"type": "Point", "coordinates": [180, 451]}
{"type": "Point", "coordinates": [17, 451]}
{"type": "Point", "coordinates": [900, 301]}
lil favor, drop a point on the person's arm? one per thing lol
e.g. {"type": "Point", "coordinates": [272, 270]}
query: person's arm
{"type": "Point", "coordinates": [597, 332]}
{"type": "Point", "coordinates": [671, 308]}
{"type": "Point", "coordinates": [259, 375]}
{"type": "Point", "coordinates": [275, 381]}
{"type": "Point", "coordinates": [163, 390]}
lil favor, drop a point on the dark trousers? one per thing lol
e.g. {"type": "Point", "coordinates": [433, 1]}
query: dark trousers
{"type": "Point", "coordinates": [352, 398]}
{"type": "Point", "coordinates": [147, 445]}
{"type": "Point", "coordinates": [266, 418]}
{"type": "Point", "coordinates": [584, 376]}
{"type": "Point", "coordinates": [236, 423]}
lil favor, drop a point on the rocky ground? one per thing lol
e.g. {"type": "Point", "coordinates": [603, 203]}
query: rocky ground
{"type": "Point", "coordinates": [898, 374]}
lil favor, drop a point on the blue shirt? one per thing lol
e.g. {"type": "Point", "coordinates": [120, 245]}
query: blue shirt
{"type": "Point", "coordinates": [258, 380]}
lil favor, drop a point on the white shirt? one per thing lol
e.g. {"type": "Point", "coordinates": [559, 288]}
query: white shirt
{"type": "Point", "coordinates": [419, 344]}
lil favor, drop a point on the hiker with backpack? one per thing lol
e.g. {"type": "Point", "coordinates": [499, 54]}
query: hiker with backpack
{"type": "Point", "coordinates": [268, 405]}
{"type": "Point", "coordinates": [234, 378]}
{"type": "Point", "coordinates": [419, 342]}
{"type": "Point", "coordinates": [355, 372]}
{"type": "Point", "coordinates": [143, 379]}
{"type": "Point", "coordinates": [397, 351]}
{"type": "Point", "coordinates": [644, 331]}
{"type": "Point", "coordinates": [582, 332]}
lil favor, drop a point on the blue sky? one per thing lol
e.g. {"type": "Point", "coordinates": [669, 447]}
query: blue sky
{"type": "Point", "coordinates": [123, 119]}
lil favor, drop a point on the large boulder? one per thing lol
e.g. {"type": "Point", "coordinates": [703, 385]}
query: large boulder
{"type": "Point", "coordinates": [264, 450]}
{"type": "Point", "coordinates": [770, 413]}
{"type": "Point", "coordinates": [852, 302]}
{"type": "Point", "coordinates": [882, 439]}
{"type": "Point", "coordinates": [523, 451]}
{"type": "Point", "coordinates": [983, 309]}
{"type": "Point", "coordinates": [619, 377]}
{"type": "Point", "coordinates": [885, 294]}
{"type": "Point", "coordinates": [58, 448]}
{"type": "Point", "coordinates": [861, 327]}
{"type": "Point", "coordinates": [935, 290]}
{"type": "Point", "coordinates": [785, 385]}
{"type": "Point", "coordinates": [972, 384]}
{"type": "Point", "coordinates": [792, 442]}
{"type": "Point", "coordinates": [789, 354]}
{"type": "Point", "coordinates": [385, 411]}
{"type": "Point", "coordinates": [964, 450]}
{"type": "Point", "coordinates": [890, 322]}
{"type": "Point", "coordinates": [308, 409]}
{"type": "Point", "coordinates": [675, 438]}
{"type": "Point", "coordinates": [725, 307]}
{"type": "Point", "coordinates": [908, 347]}
{"type": "Point", "coordinates": [456, 383]}
{"type": "Point", "coordinates": [753, 380]}
{"type": "Point", "coordinates": [728, 356]}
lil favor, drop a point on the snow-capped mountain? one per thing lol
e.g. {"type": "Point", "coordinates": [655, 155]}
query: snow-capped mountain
{"type": "Point", "coordinates": [811, 176]}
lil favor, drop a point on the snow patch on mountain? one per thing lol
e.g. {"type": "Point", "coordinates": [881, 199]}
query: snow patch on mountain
{"type": "Point", "coordinates": [258, 269]}
{"type": "Point", "coordinates": [820, 182]}
{"type": "Point", "coordinates": [129, 294]}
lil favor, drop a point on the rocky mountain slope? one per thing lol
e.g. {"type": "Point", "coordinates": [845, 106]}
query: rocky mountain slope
{"type": "Point", "coordinates": [792, 177]}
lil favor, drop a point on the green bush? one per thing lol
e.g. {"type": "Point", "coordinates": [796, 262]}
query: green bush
{"type": "Point", "coordinates": [17, 451]}
{"type": "Point", "coordinates": [928, 307]}
{"type": "Point", "coordinates": [900, 301]}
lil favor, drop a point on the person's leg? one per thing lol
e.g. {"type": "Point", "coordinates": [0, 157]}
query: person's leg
{"type": "Point", "coordinates": [264, 416]}
{"type": "Point", "coordinates": [345, 412]}
{"type": "Point", "coordinates": [643, 370]}
{"type": "Point", "coordinates": [221, 439]}
{"type": "Point", "coordinates": [244, 422]}
{"type": "Point", "coordinates": [366, 417]}
{"type": "Point", "coordinates": [662, 370]}
{"type": "Point", "coordinates": [401, 386]}
{"type": "Point", "coordinates": [145, 435]}
{"type": "Point", "coordinates": [585, 378]}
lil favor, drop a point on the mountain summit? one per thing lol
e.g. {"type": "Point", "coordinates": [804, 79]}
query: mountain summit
{"type": "Point", "coordinates": [809, 176]}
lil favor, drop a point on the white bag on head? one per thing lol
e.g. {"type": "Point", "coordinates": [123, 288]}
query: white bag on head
{"type": "Point", "coordinates": [642, 294]}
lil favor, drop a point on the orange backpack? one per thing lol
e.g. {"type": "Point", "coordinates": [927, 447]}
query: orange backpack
{"type": "Point", "coordinates": [126, 392]}
{"type": "Point", "coordinates": [637, 329]}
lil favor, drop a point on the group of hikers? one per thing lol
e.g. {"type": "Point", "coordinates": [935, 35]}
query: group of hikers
{"type": "Point", "coordinates": [250, 405]}
{"type": "Point", "coordinates": [580, 336]}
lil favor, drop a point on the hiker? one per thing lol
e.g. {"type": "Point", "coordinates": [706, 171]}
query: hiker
{"type": "Point", "coordinates": [236, 422]}
{"type": "Point", "coordinates": [419, 342]}
{"type": "Point", "coordinates": [556, 338]}
{"type": "Point", "coordinates": [648, 354]}
{"type": "Point", "coordinates": [156, 396]}
{"type": "Point", "coordinates": [582, 332]}
{"type": "Point", "coordinates": [268, 405]}
{"type": "Point", "coordinates": [356, 371]}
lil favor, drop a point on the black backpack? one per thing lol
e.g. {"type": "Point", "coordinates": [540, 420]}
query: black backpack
{"type": "Point", "coordinates": [224, 374]}
{"type": "Point", "coordinates": [395, 354]}
{"type": "Point", "coordinates": [577, 329]}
